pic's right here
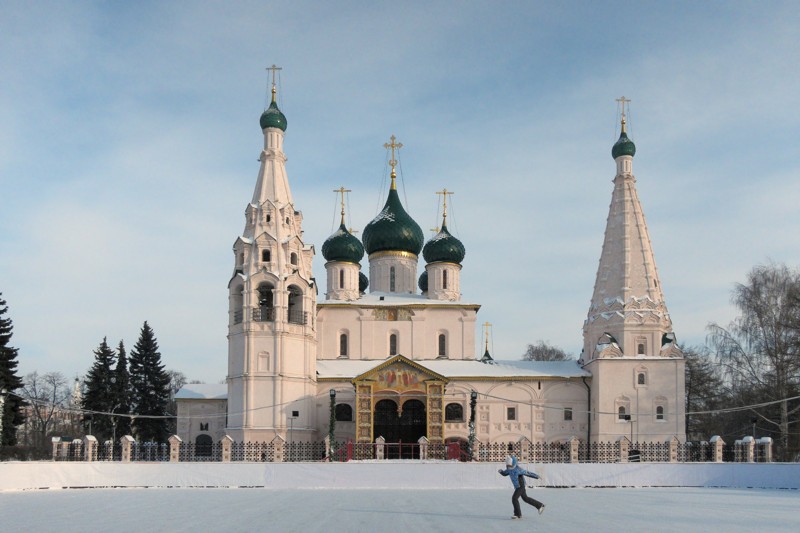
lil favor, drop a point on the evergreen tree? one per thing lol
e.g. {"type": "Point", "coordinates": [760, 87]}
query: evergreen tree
{"type": "Point", "coordinates": [149, 388]}
{"type": "Point", "coordinates": [99, 396]}
{"type": "Point", "coordinates": [11, 414]}
{"type": "Point", "coordinates": [122, 394]}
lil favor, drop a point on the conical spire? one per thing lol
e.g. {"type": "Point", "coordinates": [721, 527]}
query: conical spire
{"type": "Point", "coordinates": [627, 290]}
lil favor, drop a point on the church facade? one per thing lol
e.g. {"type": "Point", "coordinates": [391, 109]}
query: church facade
{"type": "Point", "coordinates": [392, 353]}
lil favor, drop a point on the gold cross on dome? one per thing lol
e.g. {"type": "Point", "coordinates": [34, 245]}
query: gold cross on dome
{"type": "Point", "coordinates": [392, 145]}
{"type": "Point", "coordinates": [341, 190]}
{"type": "Point", "coordinates": [274, 69]}
{"type": "Point", "coordinates": [622, 101]}
{"type": "Point", "coordinates": [486, 326]}
{"type": "Point", "coordinates": [444, 193]}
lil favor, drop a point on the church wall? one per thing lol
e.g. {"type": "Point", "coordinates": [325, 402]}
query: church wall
{"type": "Point", "coordinates": [201, 417]}
{"type": "Point", "coordinates": [615, 385]}
{"type": "Point", "coordinates": [368, 331]}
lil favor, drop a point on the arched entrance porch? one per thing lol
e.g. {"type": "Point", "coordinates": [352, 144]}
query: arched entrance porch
{"type": "Point", "coordinates": [401, 426]}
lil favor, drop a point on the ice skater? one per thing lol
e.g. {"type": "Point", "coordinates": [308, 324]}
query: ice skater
{"type": "Point", "coordinates": [517, 475]}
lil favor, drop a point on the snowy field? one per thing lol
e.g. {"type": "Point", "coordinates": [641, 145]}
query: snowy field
{"type": "Point", "coordinates": [441, 510]}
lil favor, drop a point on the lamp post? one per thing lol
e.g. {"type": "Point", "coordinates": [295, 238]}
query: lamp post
{"type": "Point", "coordinates": [473, 400]}
{"type": "Point", "coordinates": [295, 414]}
{"type": "Point", "coordinates": [332, 423]}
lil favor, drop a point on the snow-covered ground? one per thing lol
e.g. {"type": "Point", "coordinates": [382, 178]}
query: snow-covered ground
{"type": "Point", "coordinates": [455, 509]}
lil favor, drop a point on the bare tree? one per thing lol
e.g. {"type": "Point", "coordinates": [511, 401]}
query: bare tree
{"type": "Point", "coordinates": [760, 349]}
{"type": "Point", "coordinates": [542, 351]}
{"type": "Point", "coordinates": [705, 393]}
{"type": "Point", "coordinates": [47, 396]}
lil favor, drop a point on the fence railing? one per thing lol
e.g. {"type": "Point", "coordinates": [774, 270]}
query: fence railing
{"type": "Point", "coordinates": [747, 450]}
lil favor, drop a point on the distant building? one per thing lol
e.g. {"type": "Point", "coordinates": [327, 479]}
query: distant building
{"type": "Point", "coordinates": [401, 358]}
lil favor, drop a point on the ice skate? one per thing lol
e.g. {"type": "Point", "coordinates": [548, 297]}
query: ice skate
{"type": "Point", "coordinates": [541, 509]}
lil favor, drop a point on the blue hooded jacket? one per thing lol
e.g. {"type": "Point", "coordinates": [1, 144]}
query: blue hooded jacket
{"type": "Point", "coordinates": [515, 472]}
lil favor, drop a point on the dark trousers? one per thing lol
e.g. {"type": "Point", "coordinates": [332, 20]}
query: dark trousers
{"type": "Point", "coordinates": [520, 492]}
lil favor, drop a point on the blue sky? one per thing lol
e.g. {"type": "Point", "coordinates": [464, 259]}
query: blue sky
{"type": "Point", "coordinates": [129, 141]}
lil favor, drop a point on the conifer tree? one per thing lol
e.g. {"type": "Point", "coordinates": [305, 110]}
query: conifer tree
{"type": "Point", "coordinates": [11, 414]}
{"type": "Point", "coordinates": [122, 393]}
{"type": "Point", "coordinates": [149, 388]}
{"type": "Point", "coordinates": [99, 396]}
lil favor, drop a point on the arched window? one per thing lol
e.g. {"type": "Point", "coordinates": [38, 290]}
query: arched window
{"type": "Point", "coordinates": [391, 279]}
{"type": "Point", "coordinates": [293, 259]}
{"type": "Point", "coordinates": [442, 345]}
{"type": "Point", "coordinates": [343, 345]}
{"type": "Point", "coordinates": [393, 344]}
{"type": "Point", "coordinates": [269, 218]}
{"type": "Point", "coordinates": [343, 412]}
{"type": "Point", "coordinates": [295, 306]}
{"type": "Point", "coordinates": [241, 259]}
{"type": "Point", "coordinates": [621, 412]}
{"type": "Point", "coordinates": [640, 348]}
{"type": "Point", "coordinates": [454, 412]}
{"type": "Point", "coordinates": [265, 312]}
{"type": "Point", "coordinates": [266, 256]}
{"type": "Point", "coordinates": [444, 279]}
{"type": "Point", "coordinates": [341, 278]}
{"type": "Point", "coordinates": [641, 379]}
{"type": "Point", "coordinates": [237, 301]}
{"type": "Point", "coordinates": [660, 412]}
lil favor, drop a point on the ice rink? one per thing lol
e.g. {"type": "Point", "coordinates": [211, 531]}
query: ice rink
{"type": "Point", "coordinates": [408, 511]}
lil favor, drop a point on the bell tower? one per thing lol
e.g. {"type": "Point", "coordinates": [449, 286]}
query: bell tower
{"type": "Point", "coordinates": [272, 306]}
{"type": "Point", "coordinates": [637, 388]}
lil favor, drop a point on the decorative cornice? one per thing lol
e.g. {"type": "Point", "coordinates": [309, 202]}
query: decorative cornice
{"type": "Point", "coordinates": [393, 253]}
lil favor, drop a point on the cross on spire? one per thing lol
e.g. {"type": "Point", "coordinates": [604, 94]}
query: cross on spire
{"type": "Point", "coordinates": [274, 70]}
{"type": "Point", "coordinates": [341, 190]}
{"type": "Point", "coordinates": [622, 101]}
{"type": "Point", "coordinates": [444, 193]}
{"type": "Point", "coordinates": [393, 162]}
{"type": "Point", "coordinates": [486, 326]}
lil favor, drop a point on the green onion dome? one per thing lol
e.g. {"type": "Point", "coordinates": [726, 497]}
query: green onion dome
{"type": "Point", "coordinates": [273, 118]}
{"type": "Point", "coordinates": [393, 229]}
{"type": "Point", "coordinates": [363, 282]}
{"type": "Point", "coordinates": [624, 146]}
{"type": "Point", "coordinates": [423, 282]}
{"type": "Point", "coordinates": [342, 246]}
{"type": "Point", "coordinates": [443, 247]}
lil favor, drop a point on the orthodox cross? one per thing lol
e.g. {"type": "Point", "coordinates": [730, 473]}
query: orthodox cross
{"type": "Point", "coordinates": [486, 326]}
{"type": "Point", "coordinates": [341, 190]}
{"type": "Point", "coordinates": [393, 162]}
{"type": "Point", "coordinates": [274, 69]}
{"type": "Point", "coordinates": [444, 193]}
{"type": "Point", "coordinates": [622, 101]}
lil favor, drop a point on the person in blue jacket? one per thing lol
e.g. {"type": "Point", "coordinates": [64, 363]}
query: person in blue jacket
{"type": "Point", "coordinates": [517, 476]}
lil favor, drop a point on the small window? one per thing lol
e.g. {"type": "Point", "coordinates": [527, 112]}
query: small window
{"type": "Point", "coordinates": [444, 279]}
{"type": "Point", "coordinates": [241, 258]}
{"type": "Point", "coordinates": [269, 218]}
{"type": "Point", "coordinates": [293, 258]}
{"type": "Point", "coordinates": [641, 379]}
{"type": "Point", "coordinates": [568, 414]}
{"type": "Point", "coordinates": [511, 413]}
{"type": "Point", "coordinates": [453, 412]}
{"type": "Point", "coordinates": [391, 279]}
{"type": "Point", "coordinates": [343, 412]}
{"type": "Point", "coordinates": [287, 221]}
{"type": "Point", "coordinates": [621, 411]}
{"type": "Point", "coordinates": [660, 412]}
{"type": "Point", "coordinates": [442, 345]}
{"type": "Point", "coordinates": [203, 426]}
{"type": "Point", "coordinates": [343, 345]}
{"type": "Point", "coordinates": [392, 344]}
{"type": "Point", "coordinates": [341, 278]}
{"type": "Point", "coordinates": [640, 348]}
{"type": "Point", "coordinates": [266, 256]}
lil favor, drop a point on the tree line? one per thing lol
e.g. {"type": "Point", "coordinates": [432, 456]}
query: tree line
{"type": "Point", "coordinates": [121, 394]}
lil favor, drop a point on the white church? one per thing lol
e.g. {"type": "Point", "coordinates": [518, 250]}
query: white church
{"type": "Point", "coordinates": [395, 350]}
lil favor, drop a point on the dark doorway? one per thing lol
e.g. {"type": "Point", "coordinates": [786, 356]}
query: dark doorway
{"type": "Point", "coordinates": [401, 432]}
{"type": "Point", "coordinates": [203, 445]}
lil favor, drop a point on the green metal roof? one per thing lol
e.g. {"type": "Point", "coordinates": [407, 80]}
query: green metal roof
{"type": "Point", "coordinates": [342, 246]}
{"type": "Point", "coordinates": [393, 229]}
{"type": "Point", "coordinates": [443, 247]}
{"type": "Point", "coordinates": [273, 118]}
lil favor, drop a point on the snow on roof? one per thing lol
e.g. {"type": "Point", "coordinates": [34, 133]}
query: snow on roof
{"type": "Point", "coordinates": [348, 369]}
{"type": "Point", "coordinates": [203, 391]}
{"type": "Point", "coordinates": [394, 299]}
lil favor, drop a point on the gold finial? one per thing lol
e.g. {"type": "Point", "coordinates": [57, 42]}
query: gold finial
{"type": "Point", "coordinates": [444, 193]}
{"type": "Point", "coordinates": [274, 69]}
{"type": "Point", "coordinates": [341, 190]}
{"type": "Point", "coordinates": [486, 326]}
{"type": "Point", "coordinates": [622, 100]}
{"type": "Point", "coordinates": [393, 161]}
